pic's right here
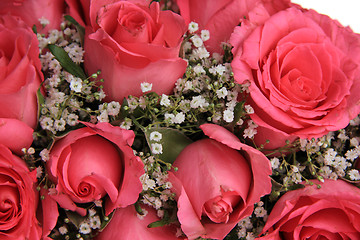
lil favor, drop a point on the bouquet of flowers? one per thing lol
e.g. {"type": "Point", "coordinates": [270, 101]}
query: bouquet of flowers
{"type": "Point", "coordinates": [182, 119]}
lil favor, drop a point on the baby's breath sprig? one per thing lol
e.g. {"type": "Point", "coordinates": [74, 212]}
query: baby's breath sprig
{"type": "Point", "coordinates": [332, 156]}
{"type": "Point", "coordinates": [71, 225]}
{"type": "Point", "coordinates": [69, 98]}
{"type": "Point", "coordinates": [206, 93]}
{"type": "Point", "coordinates": [251, 226]}
{"type": "Point", "coordinates": [156, 190]}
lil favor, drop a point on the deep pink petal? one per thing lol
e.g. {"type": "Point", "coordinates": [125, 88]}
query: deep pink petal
{"type": "Point", "coordinates": [222, 135]}
{"type": "Point", "coordinates": [125, 217]}
{"type": "Point", "coordinates": [15, 134]}
{"type": "Point", "coordinates": [49, 213]}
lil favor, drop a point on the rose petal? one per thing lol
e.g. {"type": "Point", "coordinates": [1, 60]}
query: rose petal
{"type": "Point", "coordinates": [222, 135]}
{"type": "Point", "coordinates": [31, 10]}
{"type": "Point", "coordinates": [311, 212]}
{"type": "Point", "coordinates": [139, 230]}
{"type": "Point", "coordinates": [15, 134]}
{"type": "Point", "coordinates": [49, 212]}
{"type": "Point", "coordinates": [117, 73]}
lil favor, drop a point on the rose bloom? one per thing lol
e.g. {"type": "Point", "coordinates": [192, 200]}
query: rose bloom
{"type": "Point", "coordinates": [303, 68]}
{"type": "Point", "coordinates": [221, 17]}
{"type": "Point", "coordinates": [93, 162]}
{"type": "Point", "coordinates": [127, 224]}
{"type": "Point", "coordinates": [331, 212]}
{"type": "Point", "coordinates": [30, 11]}
{"type": "Point", "coordinates": [18, 196]}
{"type": "Point", "coordinates": [20, 71]}
{"type": "Point", "coordinates": [132, 43]}
{"type": "Point", "coordinates": [217, 183]}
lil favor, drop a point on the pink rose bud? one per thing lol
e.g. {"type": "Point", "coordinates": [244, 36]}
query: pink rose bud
{"type": "Point", "coordinates": [217, 183]}
{"type": "Point", "coordinates": [94, 162]}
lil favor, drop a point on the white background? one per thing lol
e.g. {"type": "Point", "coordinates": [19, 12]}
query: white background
{"type": "Point", "coordinates": [347, 12]}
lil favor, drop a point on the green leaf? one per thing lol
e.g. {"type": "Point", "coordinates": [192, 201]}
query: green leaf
{"type": "Point", "coordinates": [40, 98]}
{"type": "Point", "coordinates": [159, 223]}
{"type": "Point", "coordinates": [173, 142]}
{"type": "Point", "coordinates": [124, 110]}
{"type": "Point", "coordinates": [80, 29]}
{"type": "Point", "coordinates": [296, 186]}
{"type": "Point", "coordinates": [34, 29]}
{"type": "Point", "coordinates": [66, 62]}
{"type": "Point", "coordinates": [138, 208]}
{"type": "Point", "coordinates": [104, 222]}
{"type": "Point", "coordinates": [238, 111]}
{"type": "Point", "coordinates": [162, 222]}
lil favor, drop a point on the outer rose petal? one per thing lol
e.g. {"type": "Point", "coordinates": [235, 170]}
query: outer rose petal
{"type": "Point", "coordinates": [32, 10]}
{"type": "Point", "coordinates": [336, 202]}
{"type": "Point", "coordinates": [221, 17]}
{"type": "Point", "coordinates": [23, 104]}
{"type": "Point", "coordinates": [126, 224]}
{"type": "Point", "coordinates": [15, 134]}
{"type": "Point", "coordinates": [117, 75]}
{"type": "Point", "coordinates": [79, 10]}
{"type": "Point", "coordinates": [222, 135]}
{"type": "Point", "coordinates": [190, 222]}
{"type": "Point", "coordinates": [49, 212]}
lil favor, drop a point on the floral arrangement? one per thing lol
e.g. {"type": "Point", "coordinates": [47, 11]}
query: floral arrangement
{"type": "Point", "coordinates": [183, 119]}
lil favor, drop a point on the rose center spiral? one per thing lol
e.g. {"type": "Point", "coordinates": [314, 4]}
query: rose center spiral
{"type": "Point", "coordinates": [219, 208]}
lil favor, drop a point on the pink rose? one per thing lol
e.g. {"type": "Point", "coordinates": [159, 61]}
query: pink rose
{"type": "Point", "coordinates": [20, 71]}
{"type": "Point", "coordinates": [303, 69]}
{"type": "Point", "coordinates": [220, 17]}
{"type": "Point", "coordinates": [331, 212]}
{"type": "Point", "coordinates": [32, 10]}
{"type": "Point", "coordinates": [130, 226]}
{"type": "Point", "coordinates": [217, 183]}
{"type": "Point", "coordinates": [93, 162]}
{"type": "Point", "coordinates": [18, 196]}
{"type": "Point", "coordinates": [132, 43]}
